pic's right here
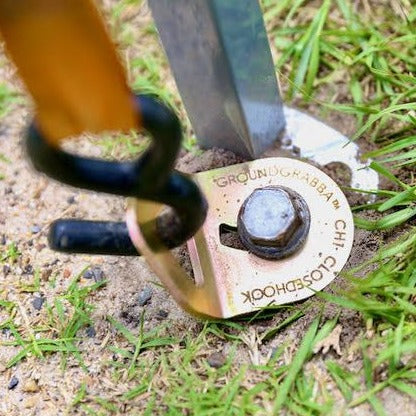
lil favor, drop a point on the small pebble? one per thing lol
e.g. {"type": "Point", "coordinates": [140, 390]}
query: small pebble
{"type": "Point", "coordinates": [31, 402]}
{"type": "Point", "coordinates": [37, 302]}
{"type": "Point", "coordinates": [14, 381]}
{"type": "Point", "coordinates": [216, 360]}
{"type": "Point", "coordinates": [3, 240]}
{"type": "Point", "coordinates": [8, 190]}
{"type": "Point", "coordinates": [144, 296]}
{"type": "Point", "coordinates": [40, 247]}
{"type": "Point", "coordinates": [95, 273]}
{"type": "Point", "coordinates": [163, 314]}
{"type": "Point", "coordinates": [90, 331]}
{"type": "Point", "coordinates": [28, 269]}
{"type": "Point", "coordinates": [66, 273]}
{"type": "Point", "coordinates": [296, 150]}
{"type": "Point", "coordinates": [6, 269]}
{"type": "Point", "coordinates": [36, 229]}
{"type": "Point", "coordinates": [46, 273]}
{"type": "Point", "coordinates": [30, 387]}
{"type": "Point", "coordinates": [71, 199]}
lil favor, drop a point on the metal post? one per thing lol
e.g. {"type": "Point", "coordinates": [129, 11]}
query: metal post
{"type": "Point", "coordinates": [220, 57]}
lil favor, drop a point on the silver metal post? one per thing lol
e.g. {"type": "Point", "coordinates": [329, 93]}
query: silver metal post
{"type": "Point", "coordinates": [220, 57]}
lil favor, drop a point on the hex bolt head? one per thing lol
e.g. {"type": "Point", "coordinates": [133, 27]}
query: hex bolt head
{"type": "Point", "coordinates": [273, 222]}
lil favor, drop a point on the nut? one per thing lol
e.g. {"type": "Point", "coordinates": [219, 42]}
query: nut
{"type": "Point", "coordinates": [273, 222]}
{"type": "Point", "coordinates": [269, 217]}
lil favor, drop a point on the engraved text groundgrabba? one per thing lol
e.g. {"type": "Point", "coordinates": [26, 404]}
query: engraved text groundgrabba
{"type": "Point", "coordinates": [247, 175]}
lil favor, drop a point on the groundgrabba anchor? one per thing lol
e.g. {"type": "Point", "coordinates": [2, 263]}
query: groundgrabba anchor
{"type": "Point", "coordinates": [294, 222]}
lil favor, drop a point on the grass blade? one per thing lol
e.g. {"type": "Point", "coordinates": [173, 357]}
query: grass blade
{"type": "Point", "coordinates": [296, 365]}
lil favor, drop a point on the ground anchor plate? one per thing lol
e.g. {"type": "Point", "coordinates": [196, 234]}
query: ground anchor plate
{"type": "Point", "coordinates": [231, 281]}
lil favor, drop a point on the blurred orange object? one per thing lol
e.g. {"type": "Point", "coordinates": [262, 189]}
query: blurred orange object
{"type": "Point", "coordinates": [69, 65]}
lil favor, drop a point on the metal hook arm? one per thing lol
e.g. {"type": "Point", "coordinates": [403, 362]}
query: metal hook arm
{"type": "Point", "coordinates": [150, 177]}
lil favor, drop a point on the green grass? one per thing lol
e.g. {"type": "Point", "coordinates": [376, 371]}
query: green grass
{"type": "Point", "coordinates": [3, 160]}
{"type": "Point", "coordinates": [66, 316]}
{"type": "Point", "coordinates": [370, 54]}
{"type": "Point", "coordinates": [402, 202]}
{"type": "Point", "coordinates": [178, 379]}
{"type": "Point", "coordinates": [139, 343]}
{"type": "Point", "coordinates": [122, 146]}
{"type": "Point", "coordinates": [10, 253]}
{"type": "Point", "coordinates": [8, 98]}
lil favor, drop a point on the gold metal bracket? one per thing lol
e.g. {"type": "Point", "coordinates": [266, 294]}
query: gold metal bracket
{"type": "Point", "coordinates": [231, 281]}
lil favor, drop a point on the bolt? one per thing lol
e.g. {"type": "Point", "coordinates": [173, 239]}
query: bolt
{"type": "Point", "coordinates": [273, 222]}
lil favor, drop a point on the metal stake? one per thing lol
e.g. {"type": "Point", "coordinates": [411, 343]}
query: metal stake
{"type": "Point", "coordinates": [220, 57]}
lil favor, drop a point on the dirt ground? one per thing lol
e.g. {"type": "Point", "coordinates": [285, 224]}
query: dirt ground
{"type": "Point", "coordinates": [30, 202]}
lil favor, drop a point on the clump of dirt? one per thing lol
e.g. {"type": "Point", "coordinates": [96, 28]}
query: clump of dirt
{"type": "Point", "coordinates": [201, 161]}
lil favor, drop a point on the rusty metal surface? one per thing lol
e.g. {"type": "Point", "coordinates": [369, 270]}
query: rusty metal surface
{"type": "Point", "coordinates": [230, 281]}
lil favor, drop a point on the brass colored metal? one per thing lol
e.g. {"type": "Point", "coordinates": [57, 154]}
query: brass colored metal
{"type": "Point", "coordinates": [230, 281]}
{"type": "Point", "coordinates": [200, 298]}
{"type": "Point", "coordinates": [69, 65]}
